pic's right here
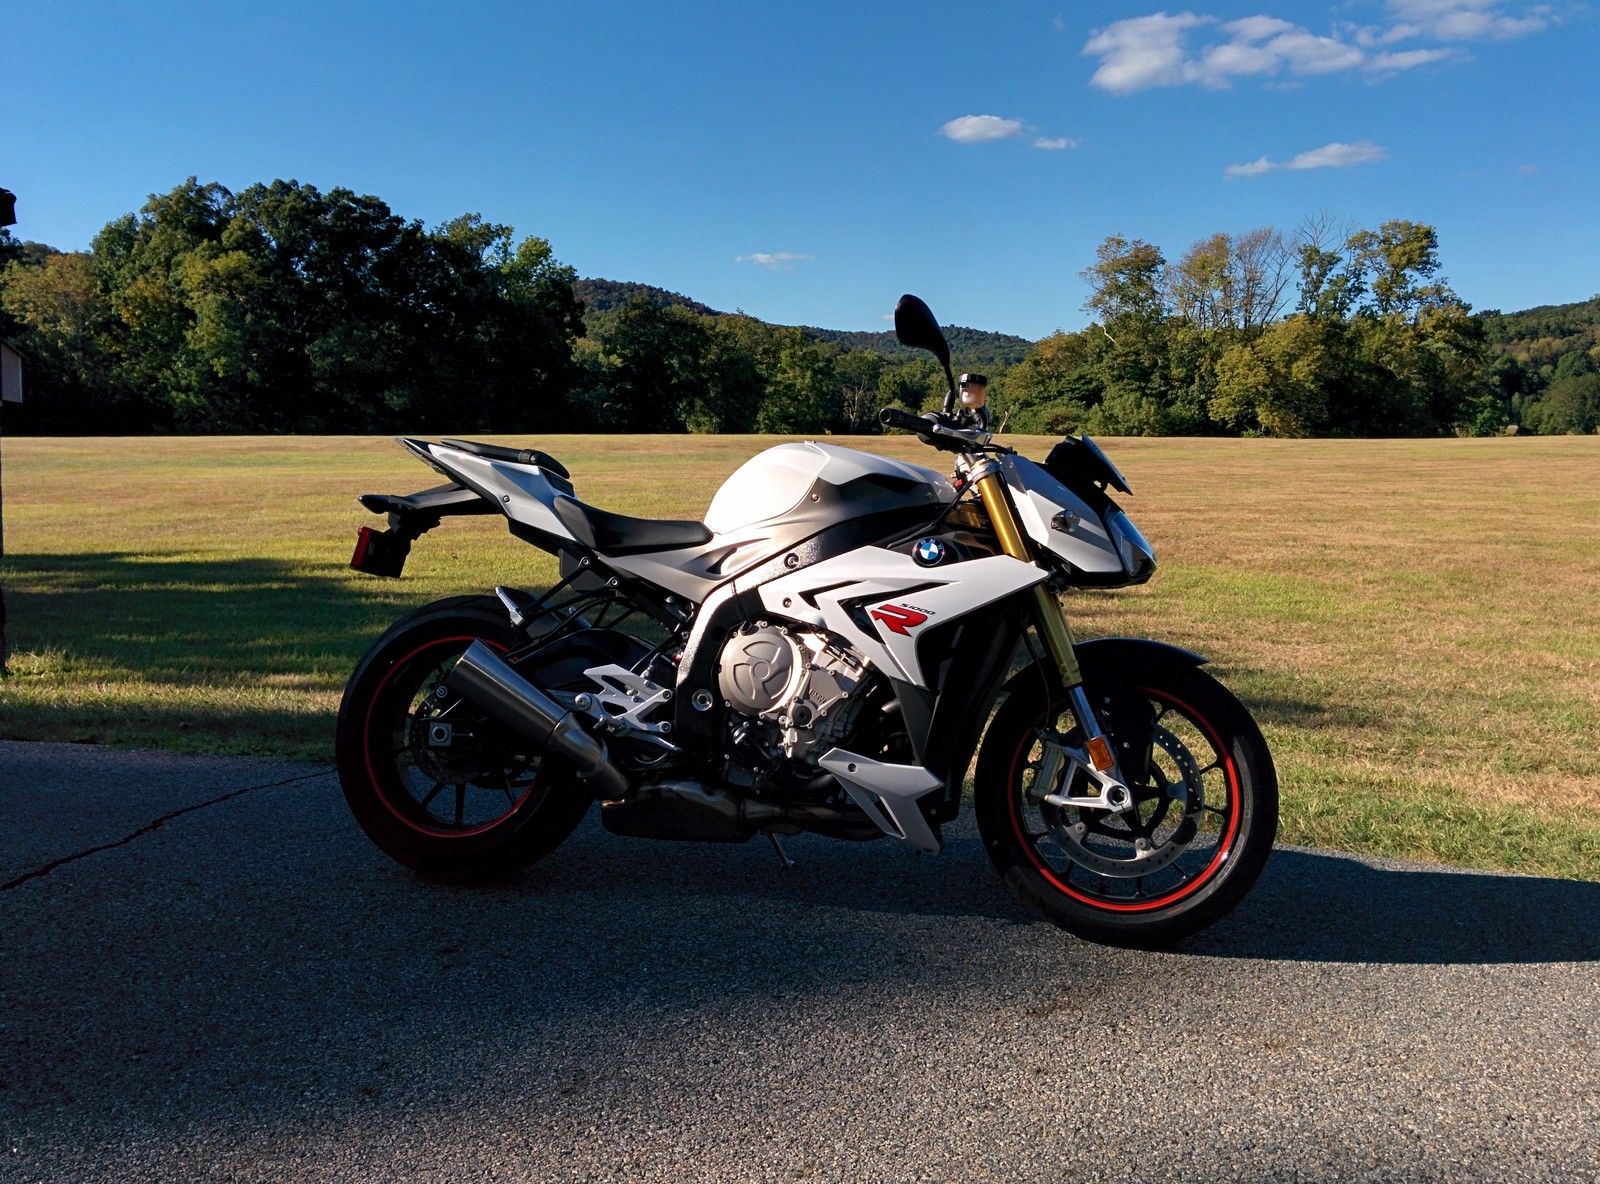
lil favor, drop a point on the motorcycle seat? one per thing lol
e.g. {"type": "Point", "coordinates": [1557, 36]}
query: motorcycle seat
{"type": "Point", "coordinates": [617, 534]}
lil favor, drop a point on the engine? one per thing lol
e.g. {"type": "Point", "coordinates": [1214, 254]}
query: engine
{"type": "Point", "coordinates": [797, 687]}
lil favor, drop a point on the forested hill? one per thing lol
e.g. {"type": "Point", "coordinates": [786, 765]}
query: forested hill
{"type": "Point", "coordinates": [1547, 360]}
{"type": "Point", "coordinates": [605, 295]}
{"type": "Point", "coordinates": [1546, 332]}
{"type": "Point", "coordinates": [970, 349]}
{"type": "Point", "coordinates": [973, 349]}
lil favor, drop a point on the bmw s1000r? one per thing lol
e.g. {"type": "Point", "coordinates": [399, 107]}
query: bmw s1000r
{"type": "Point", "coordinates": [825, 653]}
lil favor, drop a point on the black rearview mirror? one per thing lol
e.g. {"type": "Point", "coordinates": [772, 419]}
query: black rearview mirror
{"type": "Point", "coordinates": [914, 325]}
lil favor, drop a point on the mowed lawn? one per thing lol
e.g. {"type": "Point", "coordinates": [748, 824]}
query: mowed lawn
{"type": "Point", "coordinates": [1416, 623]}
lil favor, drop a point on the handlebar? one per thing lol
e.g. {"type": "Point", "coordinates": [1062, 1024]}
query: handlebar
{"type": "Point", "coordinates": [933, 431]}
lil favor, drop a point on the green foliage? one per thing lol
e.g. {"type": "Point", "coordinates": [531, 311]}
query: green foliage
{"type": "Point", "coordinates": [283, 308]}
{"type": "Point", "coordinates": [286, 309]}
{"type": "Point", "coordinates": [1539, 349]}
{"type": "Point", "coordinates": [1378, 344]}
{"type": "Point", "coordinates": [1570, 405]}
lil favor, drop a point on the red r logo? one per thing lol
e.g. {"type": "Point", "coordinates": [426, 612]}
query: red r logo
{"type": "Point", "coordinates": [899, 619]}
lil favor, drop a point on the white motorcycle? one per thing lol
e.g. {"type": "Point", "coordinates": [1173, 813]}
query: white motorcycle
{"type": "Point", "coordinates": [824, 653]}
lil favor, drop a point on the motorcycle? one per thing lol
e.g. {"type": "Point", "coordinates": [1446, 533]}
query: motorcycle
{"type": "Point", "coordinates": [824, 653]}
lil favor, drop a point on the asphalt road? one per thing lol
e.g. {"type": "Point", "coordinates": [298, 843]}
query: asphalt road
{"type": "Point", "coordinates": [207, 973]}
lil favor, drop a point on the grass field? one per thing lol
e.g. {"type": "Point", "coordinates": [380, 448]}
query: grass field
{"type": "Point", "coordinates": [1416, 623]}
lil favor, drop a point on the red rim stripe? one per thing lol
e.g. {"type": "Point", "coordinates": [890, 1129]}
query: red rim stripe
{"type": "Point", "coordinates": [372, 774]}
{"type": "Point", "coordinates": [1183, 890]}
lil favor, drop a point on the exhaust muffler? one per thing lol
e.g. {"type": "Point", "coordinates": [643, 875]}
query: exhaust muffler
{"type": "Point", "coordinates": [487, 681]}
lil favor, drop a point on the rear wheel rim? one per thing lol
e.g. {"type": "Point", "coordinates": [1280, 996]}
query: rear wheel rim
{"type": "Point", "coordinates": [1094, 858]}
{"type": "Point", "coordinates": [482, 779]}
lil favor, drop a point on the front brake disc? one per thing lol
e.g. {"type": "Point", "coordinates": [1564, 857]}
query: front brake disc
{"type": "Point", "coordinates": [1144, 856]}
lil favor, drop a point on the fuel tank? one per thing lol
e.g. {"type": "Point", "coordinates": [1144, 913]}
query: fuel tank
{"type": "Point", "coordinates": [784, 495]}
{"type": "Point", "coordinates": [796, 481]}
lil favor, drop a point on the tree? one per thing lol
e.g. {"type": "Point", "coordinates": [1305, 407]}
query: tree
{"type": "Point", "coordinates": [1330, 288]}
{"type": "Point", "coordinates": [1397, 257]}
{"type": "Point", "coordinates": [650, 371]}
{"type": "Point", "coordinates": [857, 373]}
{"type": "Point", "coordinates": [803, 392]}
{"type": "Point", "coordinates": [1052, 389]}
{"type": "Point", "coordinates": [1570, 406]}
{"type": "Point", "coordinates": [1223, 282]}
{"type": "Point", "coordinates": [64, 321]}
{"type": "Point", "coordinates": [1125, 281]}
{"type": "Point", "coordinates": [283, 308]}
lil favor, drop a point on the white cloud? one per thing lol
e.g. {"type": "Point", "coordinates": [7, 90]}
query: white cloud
{"type": "Point", "coordinates": [975, 129]}
{"type": "Point", "coordinates": [1254, 169]}
{"type": "Point", "coordinates": [1142, 52]}
{"type": "Point", "coordinates": [1150, 51]}
{"type": "Point", "coordinates": [1337, 156]}
{"type": "Point", "coordinates": [1256, 28]}
{"type": "Point", "coordinates": [1407, 59]}
{"type": "Point", "coordinates": [1329, 156]}
{"type": "Point", "coordinates": [1463, 20]}
{"type": "Point", "coordinates": [1307, 53]}
{"type": "Point", "coordinates": [777, 260]}
{"type": "Point", "coordinates": [1055, 143]}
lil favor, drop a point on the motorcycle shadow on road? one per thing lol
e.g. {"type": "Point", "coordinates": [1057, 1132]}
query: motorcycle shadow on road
{"type": "Point", "coordinates": [1309, 906]}
{"type": "Point", "coordinates": [1316, 906]}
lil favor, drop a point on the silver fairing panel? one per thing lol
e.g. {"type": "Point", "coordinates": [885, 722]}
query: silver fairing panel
{"type": "Point", "coordinates": [523, 492]}
{"type": "Point", "coordinates": [1060, 520]}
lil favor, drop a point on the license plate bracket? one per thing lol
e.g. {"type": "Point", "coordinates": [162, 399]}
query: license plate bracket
{"type": "Point", "coordinates": [380, 552]}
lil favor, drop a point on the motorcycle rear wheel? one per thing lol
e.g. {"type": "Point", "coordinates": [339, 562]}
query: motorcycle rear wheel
{"type": "Point", "coordinates": [1205, 817]}
{"type": "Point", "coordinates": [479, 805]}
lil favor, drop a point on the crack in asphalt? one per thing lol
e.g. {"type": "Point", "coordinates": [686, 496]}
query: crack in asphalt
{"type": "Point", "coordinates": [155, 824]}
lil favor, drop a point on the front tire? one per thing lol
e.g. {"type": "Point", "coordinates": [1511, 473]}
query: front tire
{"type": "Point", "coordinates": [1205, 815]}
{"type": "Point", "coordinates": [474, 802]}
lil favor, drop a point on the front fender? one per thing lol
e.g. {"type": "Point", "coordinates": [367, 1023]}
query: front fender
{"type": "Point", "coordinates": [1112, 655]}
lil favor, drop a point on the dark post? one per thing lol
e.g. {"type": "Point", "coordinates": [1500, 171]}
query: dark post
{"type": "Point", "coordinates": [9, 366]}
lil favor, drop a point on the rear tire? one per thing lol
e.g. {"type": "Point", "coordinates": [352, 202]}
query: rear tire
{"type": "Point", "coordinates": [480, 806]}
{"type": "Point", "coordinates": [1205, 819]}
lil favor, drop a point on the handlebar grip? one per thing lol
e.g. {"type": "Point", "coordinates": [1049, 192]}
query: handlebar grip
{"type": "Point", "coordinates": [893, 417]}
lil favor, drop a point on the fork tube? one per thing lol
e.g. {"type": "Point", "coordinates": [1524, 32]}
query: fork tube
{"type": "Point", "coordinates": [1052, 620]}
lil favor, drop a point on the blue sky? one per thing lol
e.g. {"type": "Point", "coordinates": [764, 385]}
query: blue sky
{"type": "Point", "coordinates": [809, 162]}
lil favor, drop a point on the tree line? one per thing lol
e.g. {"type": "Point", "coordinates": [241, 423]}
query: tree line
{"type": "Point", "coordinates": [286, 309]}
{"type": "Point", "coordinates": [1326, 332]}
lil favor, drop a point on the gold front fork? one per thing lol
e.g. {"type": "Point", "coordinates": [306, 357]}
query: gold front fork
{"type": "Point", "coordinates": [1057, 633]}
{"type": "Point", "coordinates": [1052, 620]}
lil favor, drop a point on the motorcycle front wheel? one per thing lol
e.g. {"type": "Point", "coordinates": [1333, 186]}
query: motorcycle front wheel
{"type": "Point", "coordinates": [435, 783]}
{"type": "Point", "coordinates": [1204, 816]}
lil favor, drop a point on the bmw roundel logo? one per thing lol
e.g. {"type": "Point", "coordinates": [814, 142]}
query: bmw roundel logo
{"type": "Point", "coordinates": [928, 551]}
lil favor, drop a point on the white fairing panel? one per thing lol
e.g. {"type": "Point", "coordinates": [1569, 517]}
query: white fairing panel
{"type": "Point", "coordinates": [887, 794]}
{"type": "Point", "coordinates": [1039, 497]}
{"type": "Point", "coordinates": [776, 481]}
{"type": "Point", "coordinates": [894, 597]}
{"type": "Point", "coordinates": [521, 491]}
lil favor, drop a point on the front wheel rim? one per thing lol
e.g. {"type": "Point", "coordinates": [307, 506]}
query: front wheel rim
{"type": "Point", "coordinates": [1188, 870]}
